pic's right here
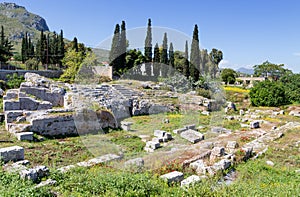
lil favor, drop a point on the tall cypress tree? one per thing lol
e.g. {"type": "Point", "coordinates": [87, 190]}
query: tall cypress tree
{"type": "Point", "coordinates": [164, 56]}
{"type": "Point", "coordinates": [195, 56]}
{"type": "Point", "coordinates": [5, 47]}
{"type": "Point", "coordinates": [148, 43]}
{"type": "Point", "coordinates": [186, 68]}
{"type": "Point", "coordinates": [156, 61]}
{"type": "Point", "coordinates": [61, 47]}
{"type": "Point", "coordinates": [114, 51]}
{"type": "Point", "coordinates": [122, 53]}
{"type": "Point", "coordinates": [75, 44]}
{"type": "Point", "coordinates": [171, 59]}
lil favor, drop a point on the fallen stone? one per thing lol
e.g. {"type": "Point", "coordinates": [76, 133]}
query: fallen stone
{"type": "Point", "coordinates": [192, 136]}
{"type": "Point", "coordinates": [137, 162]}
{"type": "Point", "coordinates": [126, 126]}
{"type": "Point", "coordinates": [192, 126]}
{"type": "Point", "coordinates": [152, 145]}
{"type": "Point", "coordinates": [232, 145]}
{"type": "Point", "coordinates": [270, 163]}
{"type": "Point", "coordinates": [35, 173]}
{"type": "Point", "coordinates": [174, 176]}
{"type": "Point", "coordinates": [159, 133]}
{"type": "Point", "coordinates": [218, 152]}
{"type": "Point", "coordinates": [191, 180]}
{"type": "Point", "coordinates": [48, 182]}
{"type": "Point", "coordinates": [13, 153]}
{"type": "Point", "coordinates": [24, 136]}
{"type": "Point", "coordinates": [179, 131]}
{"type": "Point", "coordinates": [254, 124]}
{"type": "Point", "coordinates": [224, 164]}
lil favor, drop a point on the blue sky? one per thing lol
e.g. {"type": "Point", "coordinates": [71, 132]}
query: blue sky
{"type": "Point", "coordinates": [248, 32]}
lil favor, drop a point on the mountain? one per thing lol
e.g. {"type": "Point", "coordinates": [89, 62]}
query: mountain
{"type": "Point", "coordinates": [101, 54]}
{"type": "Point", "coordinates": [16, 21]}
{"type": "Point", "coordinates": [248, 71]}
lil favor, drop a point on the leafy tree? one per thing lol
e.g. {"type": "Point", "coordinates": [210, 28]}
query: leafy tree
{"type": "Point", "coordinates": [134, 60]}
{"type": "Point", "coordinates": [72, 62]}
{"type": "Point", "coordinates": [164, 56]}
{"type": "Point", "coordinates": [215, 56]}
{"type": "Point", "coordinates": [156, 61]}
{"type": "Point", "coordinates": [179, 61]}
{"type": "Point", "coordinates": [86, 73]}
{"type": "Point", "coordinates": [114, 51]}
{"type": "Point", "coordinates": [186, 65]}
{"type": "Point", "coordinates": [32, 64]}
{"type": "Point", "coordinates": [228, 75]}
{"type": "Point", "coordinates": [148, 43]}
{"type": "Point", "coordinates": [268, 93]}
{"type": "Point", "coordinates": [195, 56]}
{"type": "Point", "coordinates": [5, 47]}
{"type": "Point", "coordinates": [268, 69]}
{"type": "Point", "coordinates": [292, 86]}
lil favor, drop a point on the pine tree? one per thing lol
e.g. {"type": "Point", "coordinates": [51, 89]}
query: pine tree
{"type": "Point", "coordinates": [148, 43]}
{"type": "Point", "coordinates": [195, 56]}
{"type": "Point", "coordinates": [114, 51]}
{"type": "Point", "coordinates": [156, 61]}
{"type": "Point", "coordinates": [186, 69]}
{"type": "Point", "coordinates": [164, 56]}
{"type": "Point", "coordinates": [122, 48]}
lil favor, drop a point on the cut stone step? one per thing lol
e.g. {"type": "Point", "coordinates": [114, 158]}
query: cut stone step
{"type": "Point", "coordinates": [24, 136]}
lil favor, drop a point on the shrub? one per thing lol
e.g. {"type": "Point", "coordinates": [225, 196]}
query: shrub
{"type": "Point", "coordinates": [14, 80]}
{"type": "Point", "coordinates": [268, 93]}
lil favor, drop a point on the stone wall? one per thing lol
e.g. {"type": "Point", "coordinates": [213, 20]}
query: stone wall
{"type": "Point", "coordinates": [45, 73]}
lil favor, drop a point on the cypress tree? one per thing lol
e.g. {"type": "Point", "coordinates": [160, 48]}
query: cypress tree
{"type": "Point", "coordinates": [186, 61]}
{"type": "Point", "coordinates": [171, 59]}
{"type": "Point", "coordinates": [5, 47]}
{"type": "Point", "coordinates": [148, 43]}
{"type": "Point", "coordinates": [23, 50]}
{"type": "Point", "coordinates": [122, 48]}
{"type": "Point", "coordinates": [195, 56]}
{"type": "Point", "coordinates": [61, 47]}
{"type": "Point", "coordinates": [75, 44]}
{"type": "Point", "coordinates": [114, 51]}
{"type": "Point", "coordinates": [156, 60]}
{"type": "Point", "coordinates": [164, 56]}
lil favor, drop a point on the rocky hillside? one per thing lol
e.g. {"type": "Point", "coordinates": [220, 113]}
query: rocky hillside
{"type": "Point", "coordinates": [16, 21]}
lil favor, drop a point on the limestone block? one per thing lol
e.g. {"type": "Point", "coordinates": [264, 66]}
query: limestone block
{"type": "Point", "coordinates": [13, 153]}
{"type": "Point", "coordinates": [179, 131]}
{"type": "Point", "coordinates": [192, 136]}
{"type": "Point", "coordinates": [159, 133]}
{"type": "Point", "coordinates": [224, 164]}
{"type": "Point", "coordinates": [11, 116]}
{"type": "Point", "coordinates": [9, 105]}
{"type": "Point", "coordinates": [24, 136]}
{"type": "Point", "coordinates": [232, 145]}
{"type": "Point", "coordinates": [192, 126]}
{"type": "Point", "coordinates": [254, 124]}
{"type": "Point", "coordinates": [191, 180]}
{"type": "Point", "coordinates": [35, 173]}
{"type": "Point", "coordinates": [137, 162]}
{"type": "Point", "coordinates": [174, 176]}
{"type": "Point", "coordinates": [218, 151]}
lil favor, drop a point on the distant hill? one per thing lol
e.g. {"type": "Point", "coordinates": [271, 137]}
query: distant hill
{"type": "Point", "coordinates": [101, 54]}
{"type": "Point", "coordinates": [248, 71]}
{"type": "Point", "coordinates": [16, 21]}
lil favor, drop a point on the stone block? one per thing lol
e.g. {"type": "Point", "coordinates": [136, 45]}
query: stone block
{"type": "Point", "coordinates": [192, 136]}
{"type": "Point", "coordinates": [192, 126]}
{"type": "Point", "coordinates": [35, 173]}
{"type": "Point", "coordinates": [232, 145]}
{"type": "Point", "coordinates": [13, 153]}
{"type": "Point", "coordinates": [126, 126]}
{"type": "Point", "coordinates": [174, 176]}
{"type": "Point", "coordinates": [137, 162]}
{"type": "Point", "coordinates": [218, 151]}
{"type": "Point", "coordinates": [224, 164]}
{"type": "Point", "coordinates": [9, 105]}
{"type": "Point", "coordinates": [179, 131]}
{"type": "Point", "coordinates": [159, 133]}
{"type": "Point", "coordinates": [197, 164]}
{"type": "Point", "coordinates": [191, 180]}
{"type": "Point", "coordinates": [152, 145]}
{"type": "Point", "coordinates": [254, 124]}
{"type": "Point", "coordinates": [24, 136]}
